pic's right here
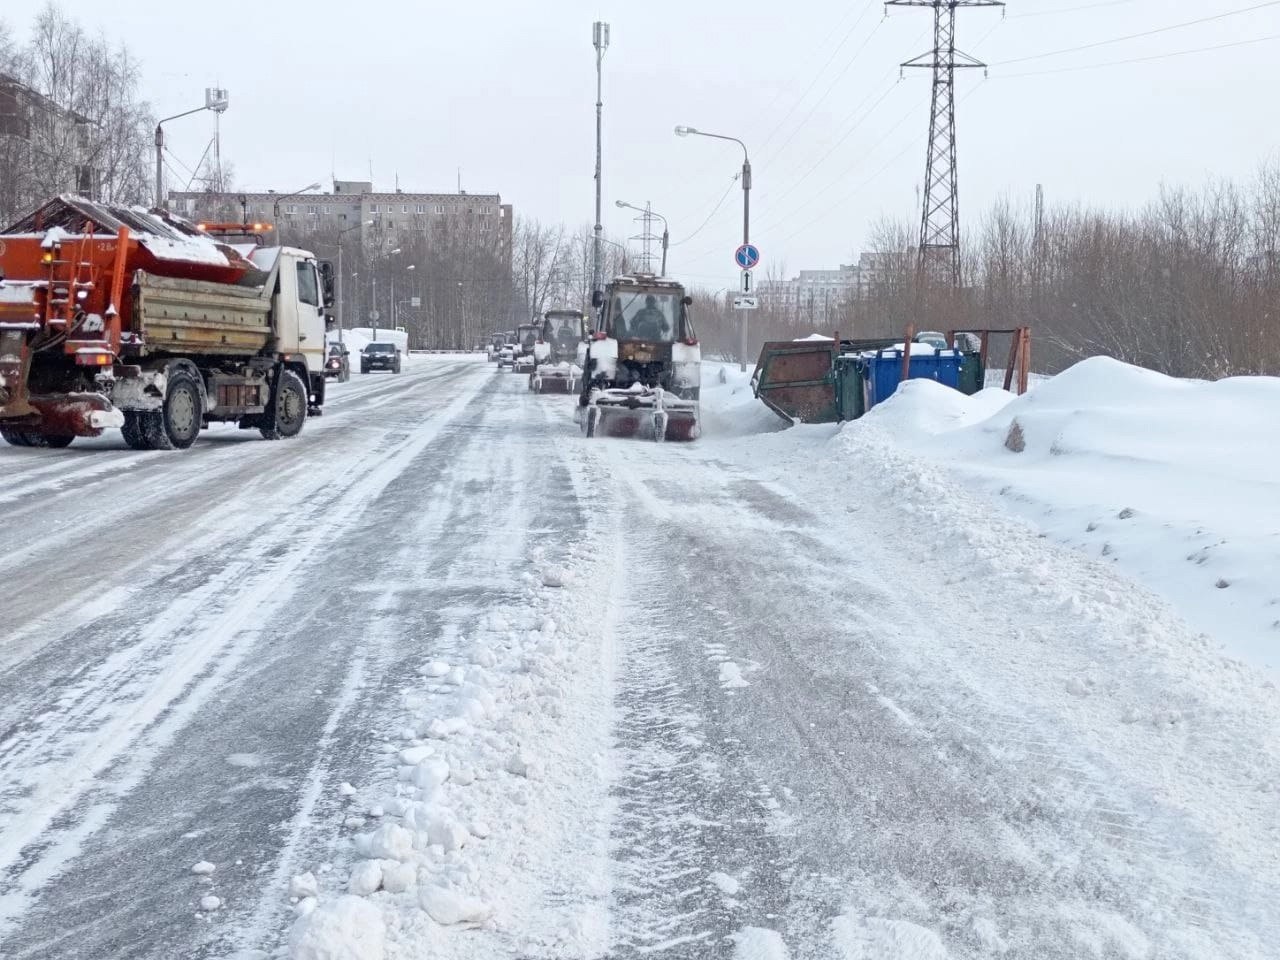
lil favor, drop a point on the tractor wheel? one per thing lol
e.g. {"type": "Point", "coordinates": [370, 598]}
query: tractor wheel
{"type": "Point", "coordinates": [288, 410]}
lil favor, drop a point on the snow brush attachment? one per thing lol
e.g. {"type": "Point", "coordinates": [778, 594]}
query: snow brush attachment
{"type": "Point", "coordinates": [647, 413]}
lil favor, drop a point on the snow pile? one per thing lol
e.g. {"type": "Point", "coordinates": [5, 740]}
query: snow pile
{"type": "Point", "coordinates": [729, 407]}
{"type": "Point", "coordinates": [503, 723]}
{"type": "Point", "coordinates": [348, 928]}
{"type": "Point", "coordinates": [1173, 480]}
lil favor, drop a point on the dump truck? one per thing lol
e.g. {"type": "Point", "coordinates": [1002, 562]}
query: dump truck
{"type": "Point", "coordinates": [642, 373]}
{"type": "Point", "coordinates": [119, 317]}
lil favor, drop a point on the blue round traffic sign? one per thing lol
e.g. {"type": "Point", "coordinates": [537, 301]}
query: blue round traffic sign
{"type": "Point", "coordinates": [747, 256]}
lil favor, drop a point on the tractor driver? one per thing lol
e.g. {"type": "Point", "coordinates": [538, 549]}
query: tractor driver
{"type": "Point", "coordinates": [650, 322]}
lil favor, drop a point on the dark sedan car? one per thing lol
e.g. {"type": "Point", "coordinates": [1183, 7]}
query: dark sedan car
{"type": "Point", "coordinates": [380, 356]}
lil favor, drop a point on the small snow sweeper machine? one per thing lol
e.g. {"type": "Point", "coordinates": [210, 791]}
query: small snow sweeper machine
{"type": "Point", "coordinates": [527, 338]}
{"type": "Point", "coordinates": [643, 366]}
{"type": "Point", "coordinates": [555, 355]}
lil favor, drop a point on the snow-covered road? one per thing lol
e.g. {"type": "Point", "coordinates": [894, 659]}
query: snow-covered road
{"type": "Point", "coordinates": [756, 697]}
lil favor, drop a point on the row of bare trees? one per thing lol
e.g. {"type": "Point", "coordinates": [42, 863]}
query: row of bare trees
{"type": "Point", "coordinates": [71, 116]}
{"type": "Point", "coordinates": [1188, 284]}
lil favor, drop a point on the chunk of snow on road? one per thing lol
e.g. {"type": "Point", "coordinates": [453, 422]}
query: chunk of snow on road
{"type": "Point", "coordinates": [523, 764]}
{"type": "Point", "coordinates": [249, 760]}
{"type": "Point", "coordinates": [203, 868]}
{"type": "Point", "coordinates": [436, 668]}
{"type": "Point", "coordinates": [347, 928]}
{"type": "Point", "coordinates": [346, 789]}
{"type": "Point", "coordinates": [209, 903]}
{"type": "Point", "coordinates": [389, 842]}
{"type": "Point", "coordinates": [731, 676]}
{"type": "Point", "coordinates": [365, 878]}
{"type": "Point", "coordinates": [554, 577]}
{"type": "Point", "coordinates": [303, 885]}
{"type": "Point", "coordinates": [447, 833]}
{"type": "Point", "coordinates": [725, 884]}
{"type": "Point", "coordinates": [446, 906]}
{"type": "Point", "coordinates": [757, 943]}
{"type": "Point", "coordinates": [874, 938]}
{"type": "Point", "coordinates": [480, 830]}
{"type": "Point", "coordinates": [429, 774]}
{"type": "Point", "coordinates": [1078, 687]}
{"type": "Point", "coordinates": [398, 877]}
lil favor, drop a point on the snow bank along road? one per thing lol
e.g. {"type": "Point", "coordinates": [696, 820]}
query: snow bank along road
{"type": "Point", "coordinates": [441, 678]}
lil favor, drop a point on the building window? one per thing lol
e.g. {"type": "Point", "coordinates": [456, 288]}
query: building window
{"type": "Point", "coordinates": [326, 209]}
{"type": "Point", "coordinates": [439, 208]}
{"type": "Point", "coordinates": [312, 209]}
{"type": "Point", "coordinates": [290, 209]}
{"type": "Point", "coordinates": [404, 208]}
{"type": "Point", "coordinates": [373, 208]}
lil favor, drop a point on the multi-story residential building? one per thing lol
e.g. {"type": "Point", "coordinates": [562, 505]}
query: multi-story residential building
{"type": "Point", "coordinates": [43, 149]}
{"type": "Point", "coordinates": [813, 296]}
{"type": "Point", "coordinates": [377, 219]}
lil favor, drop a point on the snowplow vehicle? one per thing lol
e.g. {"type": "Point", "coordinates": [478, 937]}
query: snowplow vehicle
{"type": "Point", "coordinates": [528, 338]}
{"type": "Point", "coordinates": [114, 316]}
{"type": "Point", "coordinates": [555, 367]}
{"type": "Point", "coordinates": [643, 366]}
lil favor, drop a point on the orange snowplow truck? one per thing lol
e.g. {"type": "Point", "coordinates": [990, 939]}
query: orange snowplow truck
{"type": "Point", "coordinates": [116, 317]}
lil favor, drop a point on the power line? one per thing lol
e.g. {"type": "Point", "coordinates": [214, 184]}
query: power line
{"type": "Point", "coordinates": [911, 145]}
{"type": "Point", "coordinates": [821, 100]}
{"type": "Point", "coordinates": [719, 203]}
{"type": "Point", "coordinates": [835, 146]}
{"type": "Point", "coordinates": [816, 77]}
{"type": "Point", "coordinates": [1086, 6]}
{"type": "Point", "coordinates": [1158, 56]}
{"type": "Point", "coordinates": [1136, 36]}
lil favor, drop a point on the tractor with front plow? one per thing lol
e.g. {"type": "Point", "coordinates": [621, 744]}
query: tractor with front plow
{"type": "Point", "coordinates": [643, 367]}
{"type": "Point", "coordinates": [556, 368]}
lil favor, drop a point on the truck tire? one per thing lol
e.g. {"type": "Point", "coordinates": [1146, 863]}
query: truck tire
{"type": "Point", "coordinates": [177, 423]}
{"type": "Point", "coordinates": [288, 409]}
{"type": "Point", "coordinates": [34, 438]}
{"type": "Point", "coordinates": [14, 436]}
{"type": "Point", "coordinates": [133, 432]}
{"type": "Point", "coordinates": [54, 441]}
{"type": "Point", "coordinates": [183, 413]}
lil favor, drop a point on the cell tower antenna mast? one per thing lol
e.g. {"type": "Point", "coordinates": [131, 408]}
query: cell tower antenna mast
{"type": "Point", "coordinates": [939, 254]}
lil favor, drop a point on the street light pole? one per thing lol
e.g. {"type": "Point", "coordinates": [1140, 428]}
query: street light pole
{"type": "Point", "coordinates": [342, 277]}
{"type": "Point", "coordinates": [746, 210]}
{"type": "Point", "coordinates": [275, 209]}
{"type": "Point", "coordinates": [215, 100]}
{"type": "Point", "coordinates": [666, 233]}
{"type": "Point", "coordinates": [600, 40]}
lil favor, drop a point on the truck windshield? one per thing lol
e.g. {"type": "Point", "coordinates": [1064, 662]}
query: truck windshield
{"type": "Point", "coordinates": [380, 348]}
{"type": "Point", "coordinates": [528, 334]}
{"type": "Point", "coordinates": [646, 316]}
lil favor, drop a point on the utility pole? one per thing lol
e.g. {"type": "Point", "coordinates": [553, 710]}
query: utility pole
{"type": "Point", "coordinates": [939, 253]}
{"type": "Point", "coordinates": [600, 40]}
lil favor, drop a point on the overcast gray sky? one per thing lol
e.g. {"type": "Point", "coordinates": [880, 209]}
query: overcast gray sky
{"type": "Point", "coordinates": [506, 91]}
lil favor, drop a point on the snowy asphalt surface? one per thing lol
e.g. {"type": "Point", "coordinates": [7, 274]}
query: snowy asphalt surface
{"type": "Point", "coordinates": [844, 724]}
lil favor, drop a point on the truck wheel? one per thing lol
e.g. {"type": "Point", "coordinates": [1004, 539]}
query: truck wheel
{"type": "Point", "coordinates": [183, 413]}
{"type": "Point", "coordinates": [14, 436]}
{"type": "Point", "coordinates": [133, 432]}
{"type": "Point", "coordinates": [55, 441]}
{"type": "Point", "coordinates": [288, 410]}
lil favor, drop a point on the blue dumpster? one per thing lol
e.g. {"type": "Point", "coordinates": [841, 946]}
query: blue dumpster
{"type": "Point", "coordinates": [884, 371]}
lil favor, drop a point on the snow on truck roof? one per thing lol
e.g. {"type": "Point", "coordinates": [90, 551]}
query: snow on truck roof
{"type": "Point", "coordinates": [165, 236]}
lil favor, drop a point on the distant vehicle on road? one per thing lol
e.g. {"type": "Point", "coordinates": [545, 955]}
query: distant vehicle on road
{"type": "Point", "coordinates": [338, 363]}
{"type": "Point", "coordinates": [380, 355]}
{"type": "Point", "coordinates": [492, 348]}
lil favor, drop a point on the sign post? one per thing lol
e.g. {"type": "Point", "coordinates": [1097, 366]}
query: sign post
{"type": "Point", "coordinates": [747, 257]}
